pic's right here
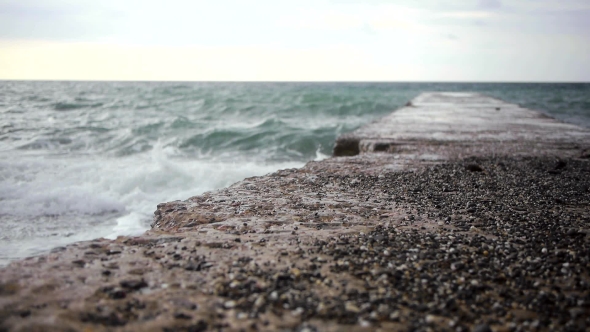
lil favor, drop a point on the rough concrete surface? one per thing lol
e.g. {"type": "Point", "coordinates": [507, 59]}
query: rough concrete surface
{"type": "Point", "coordinates": [457, 212]}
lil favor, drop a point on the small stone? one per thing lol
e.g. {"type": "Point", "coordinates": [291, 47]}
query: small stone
{"type": "Point", "coordinates": [457, 266]}
{"type": "Point", "coordinates": [259, 302]}
{"type": "Point", "coordinates": [297, 312]}
{"type": "Point", "coordinates": [274, 296]}
{"type": "Point", "coordinates": [133, 284]}
{"type": "Point", "coordinates": [79, 263]}
{"type": "Point", "coordinates": [394, 316]}
{"type": "Point", "coordinates": [560, 164]}
{"type": "Point", "coordinates": [118, 294]}
{"type": "Point", "coordinates": [482, 328]}
{"type": "Point", "coordinates": [474, 168]}
{"type": "Point", "coordinates": [321, 308]}
{"type": "Point", "coordinates": [575, 312]}
{"type": "Point", "coordinates": [229, 304]}
{"type": "Point", "coordinates": [295, 272]}
{"type": "Point", "coordinates": [351, 307]}
{"type": "Point", "coordinates": [24, 313]}
{"type": "Point", "coordinates": [364, 323]}
{"type": "Point", "coordinates": [182, 315]}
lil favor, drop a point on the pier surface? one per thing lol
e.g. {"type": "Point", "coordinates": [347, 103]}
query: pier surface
{"type": "Point", "coordinates": [457, 212]}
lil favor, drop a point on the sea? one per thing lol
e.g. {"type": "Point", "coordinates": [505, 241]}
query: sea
{"type": "Point", "coordinates": [84, 160]}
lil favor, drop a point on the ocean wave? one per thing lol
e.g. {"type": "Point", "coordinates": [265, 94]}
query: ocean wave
{"type": "Point", "coordinates": [64, 198]}
{"type": "Point", "coordinates": [46, 143]}
{"type": "Point", "coordinates": [65, 106]}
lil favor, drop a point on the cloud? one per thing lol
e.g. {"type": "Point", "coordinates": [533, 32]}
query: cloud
{"type": "Point", "coordinates": [489, 4]}
{"type": "Point", "coordinates": [290, 40]}
{"type": "Point", "coordinates": [451, 36]}
{"type": "Point", "coordinates": [480, 14]}
{"type": "Point", "coordinates": [385, 17]}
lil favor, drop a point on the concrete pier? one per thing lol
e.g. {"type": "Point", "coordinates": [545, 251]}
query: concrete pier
{"type": "Point", "coordinates": [456, 212]}
{"type": "Point", "coordinates": [466, 120]}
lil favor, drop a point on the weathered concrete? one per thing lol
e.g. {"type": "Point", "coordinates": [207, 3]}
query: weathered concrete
{"type": "Point", "coordinates": [467, 120]}
{"type": "Point", "coordinates": [457, 211]}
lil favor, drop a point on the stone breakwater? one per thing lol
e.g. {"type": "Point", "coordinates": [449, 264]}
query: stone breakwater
{"type": "Point", "coordinates": [458, 212]}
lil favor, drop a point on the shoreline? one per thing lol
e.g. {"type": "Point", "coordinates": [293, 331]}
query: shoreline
{"type": "Point", "coordinates": [411, 232]}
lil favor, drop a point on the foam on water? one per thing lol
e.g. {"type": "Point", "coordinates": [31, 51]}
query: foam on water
{"type": "Point", "coordinates": [48, 202]}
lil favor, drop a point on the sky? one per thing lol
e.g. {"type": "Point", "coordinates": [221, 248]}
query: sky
{"type": "Point", "coordinates": [303, 40]}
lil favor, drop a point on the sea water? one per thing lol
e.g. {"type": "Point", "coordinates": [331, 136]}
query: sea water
{"type": "Point", "coordinates": [83, 160]}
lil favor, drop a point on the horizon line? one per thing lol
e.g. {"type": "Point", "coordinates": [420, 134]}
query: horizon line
{"type": "Point", "coordinates": [293, 81]}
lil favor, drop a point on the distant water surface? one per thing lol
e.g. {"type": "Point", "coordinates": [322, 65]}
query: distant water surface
{"type": "Point", "coordinates": [81, 160]}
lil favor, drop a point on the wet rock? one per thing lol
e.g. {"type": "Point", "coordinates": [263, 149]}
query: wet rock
{"type": "Point", "coordinates": [346, 146]}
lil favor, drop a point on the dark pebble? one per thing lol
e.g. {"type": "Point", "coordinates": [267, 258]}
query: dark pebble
{"type": "Point", "coordinates": [474, 168]}
{"type": "Point", "coordinates": [182, 315]}
{"type": "Point", "coordinates": [560, 164]}
{"type": "Point", "coordinates": [482, 328]}
{"type": "Point", "coordinates": [25, 313]}
{"type": "Point", "coordinates": [133, 284]}
{"type": "Point", "coordinates": [79, 262]}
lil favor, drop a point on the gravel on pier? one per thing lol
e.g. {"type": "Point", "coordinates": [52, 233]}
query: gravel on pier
{"type": "Point", "coordinates": [479, 244]}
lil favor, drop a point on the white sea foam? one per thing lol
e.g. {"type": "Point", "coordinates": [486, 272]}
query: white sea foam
{"type": "Point", "coordinates": [47, 202]}
{"type": "Point", "coordinates": [319, 155]}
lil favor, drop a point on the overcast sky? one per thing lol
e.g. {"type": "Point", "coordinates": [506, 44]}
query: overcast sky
{"type": "Point", "coordinates": [309, 40]}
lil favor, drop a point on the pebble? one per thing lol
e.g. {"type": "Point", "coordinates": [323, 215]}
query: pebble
{"type": "Point", "coordinates": [482, 328]}
{"type": "Point", "coordinates": [351, 307]}
{"type": "Point", "coordinates": [229, 304]}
